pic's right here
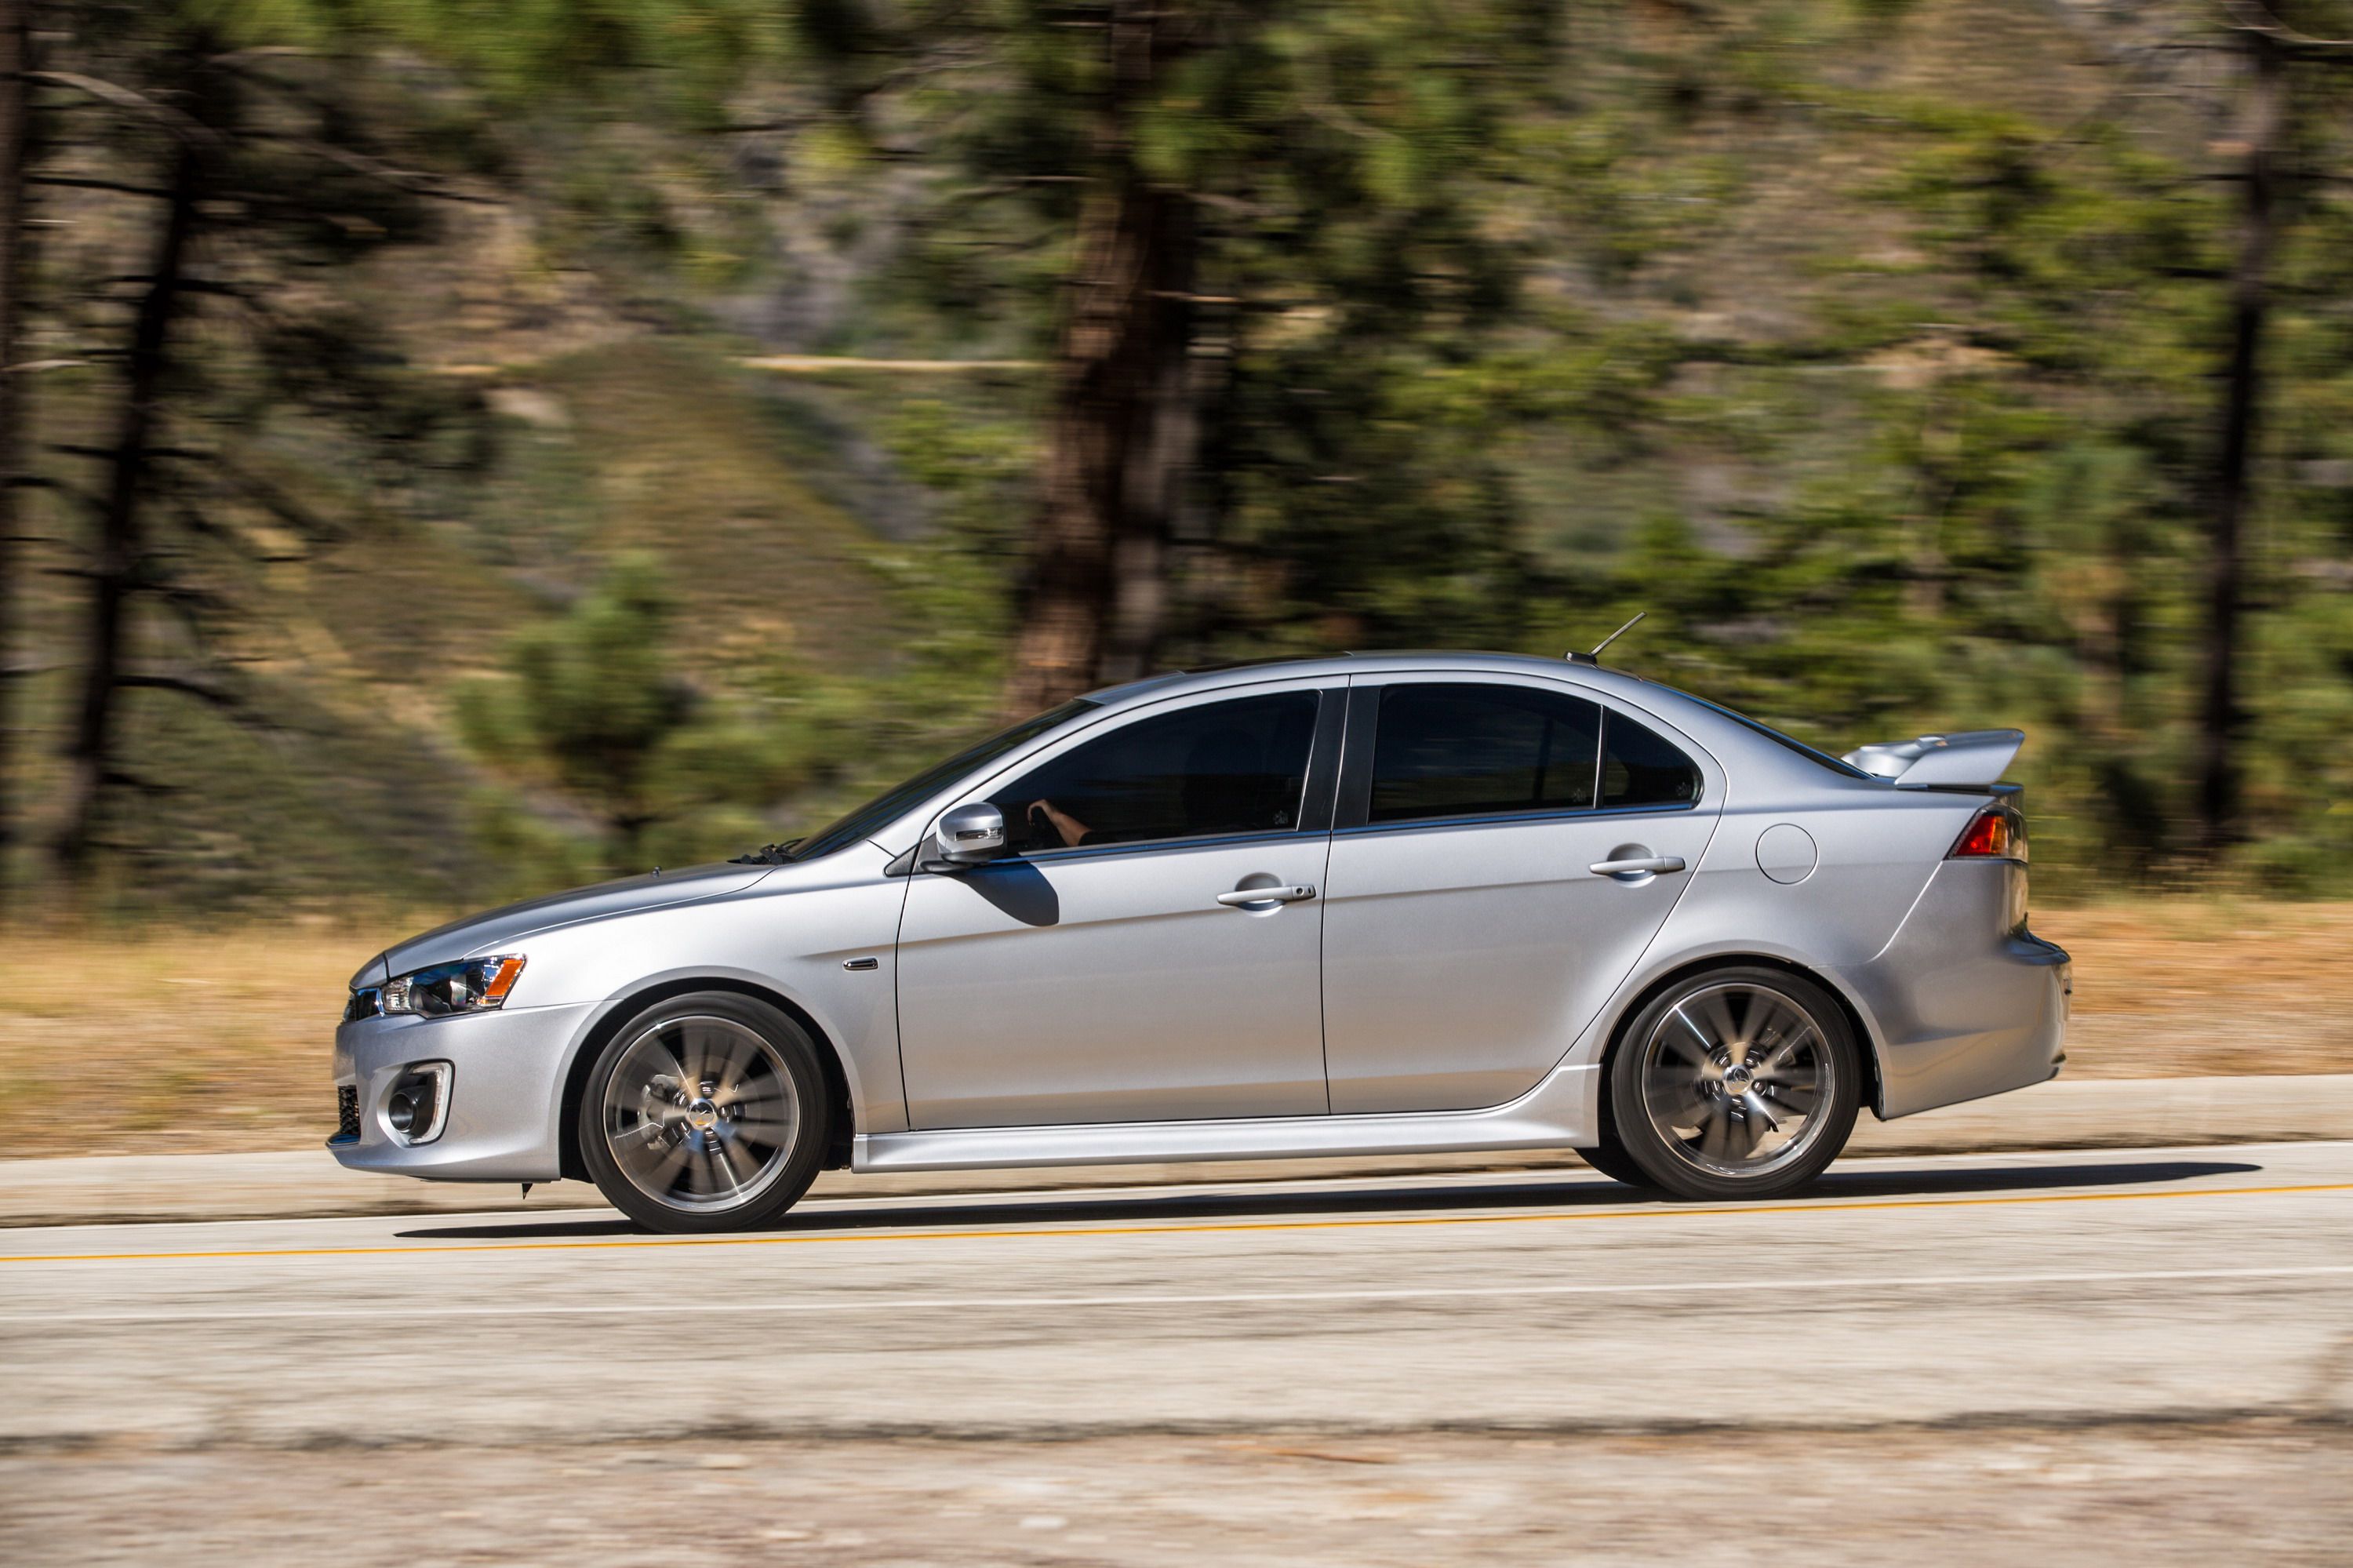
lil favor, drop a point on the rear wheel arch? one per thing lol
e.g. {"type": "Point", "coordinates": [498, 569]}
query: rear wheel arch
{"type": "Point", "coordinates": [1866, 1042]}
{"type": "Point", "coordinates": [571, 1162]}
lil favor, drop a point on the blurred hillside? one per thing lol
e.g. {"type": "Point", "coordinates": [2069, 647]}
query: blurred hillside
{"type": "Point", "coordinates": [1882, 352]}
{"type": "Point", "coordinates": [799, 635]}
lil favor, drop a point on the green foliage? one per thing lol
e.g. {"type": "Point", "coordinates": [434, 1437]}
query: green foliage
{"type": "Point", "coordinates": [681, 55]}
{"type": "Point", "coordinates": [1870, 345]}
{"type": "Point", "coordinates": [1346, 165]}
{"type": "Point", "coordinates": [619, 739]}
{"type": "Point", "coordinates": [591, 698]}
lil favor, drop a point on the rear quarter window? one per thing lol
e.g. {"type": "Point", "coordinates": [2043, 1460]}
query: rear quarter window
{"type": "Point", "coordinates": [1642, 768]}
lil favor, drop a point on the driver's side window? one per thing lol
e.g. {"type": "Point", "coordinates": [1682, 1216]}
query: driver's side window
{"type": "Point", "coordinates": [1220, 769]}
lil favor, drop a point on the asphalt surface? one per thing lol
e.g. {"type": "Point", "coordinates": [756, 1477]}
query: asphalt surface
{"type": "Point", "coordinates": [2077, 1360]}
{"type": "Point", "coordinates": [2189, 1284]}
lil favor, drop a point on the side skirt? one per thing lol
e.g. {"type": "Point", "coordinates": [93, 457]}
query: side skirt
{"type": "Point", "coordinates": [1561, 1112]}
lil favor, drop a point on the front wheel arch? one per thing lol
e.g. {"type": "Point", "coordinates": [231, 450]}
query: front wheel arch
{"type": "Point", "coordinates": [574, 1165]}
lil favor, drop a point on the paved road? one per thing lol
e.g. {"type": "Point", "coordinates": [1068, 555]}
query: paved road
{"type": "Point", "coordinates": [2075, 1360]}
{"type": "Point", "coordinates": [2211, 1283]}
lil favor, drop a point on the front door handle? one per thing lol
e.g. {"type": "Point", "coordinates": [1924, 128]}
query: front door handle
{"type": "Point", "coordinates": [1243, 898]}
{"type": "Point", "coordinates": [1651, 863]}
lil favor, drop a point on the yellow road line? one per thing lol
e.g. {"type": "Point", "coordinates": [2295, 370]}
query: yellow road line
{"type": "Point", "coordinates": [1215, 1228]}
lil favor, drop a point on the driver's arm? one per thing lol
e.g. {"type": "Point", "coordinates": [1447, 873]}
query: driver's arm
{"type": "Point", "coordinates": [1068, 827]}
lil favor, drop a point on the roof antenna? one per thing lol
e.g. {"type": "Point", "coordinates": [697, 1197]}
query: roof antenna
{"type": "Point", "coordinates": [1595, 657]}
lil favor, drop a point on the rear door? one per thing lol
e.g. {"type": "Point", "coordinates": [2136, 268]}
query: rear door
{"type": "Point", "coordinates": [1468, 939]}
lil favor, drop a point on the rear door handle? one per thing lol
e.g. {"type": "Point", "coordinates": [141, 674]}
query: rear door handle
{"type": "Point", "coordinates": [1243, 898]}
{"type": "Point", "coordinates": [1654, 863]}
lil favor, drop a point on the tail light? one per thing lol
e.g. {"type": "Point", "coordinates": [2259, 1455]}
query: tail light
{"type": "Point", "coordinates": [1998, 832]}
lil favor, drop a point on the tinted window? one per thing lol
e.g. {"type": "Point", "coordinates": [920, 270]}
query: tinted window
{"type": "Point", "coordinates": [886, 808]}
{"type": "Point", "coordinates": [1640, 768]}
{"type": "Point", "coordinates": [1477, 751]}
{"type": "Point", "coordinates": [1226, 767]}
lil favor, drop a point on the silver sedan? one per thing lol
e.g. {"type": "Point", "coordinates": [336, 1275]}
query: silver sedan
{"type": "Point", "coordinates": [1350, 906]}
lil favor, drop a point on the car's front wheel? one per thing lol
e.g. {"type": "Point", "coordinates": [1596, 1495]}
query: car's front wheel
{"type": "Point", "coordinates": [706, 1112]}
{"type": "Point", "coordinates": [1741, 1082]}
{"type": "Point", "coordinates": [1611, 1159]}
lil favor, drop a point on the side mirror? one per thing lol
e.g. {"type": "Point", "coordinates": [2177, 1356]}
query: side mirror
{"type": "Point", "coordinates": [970, 834]}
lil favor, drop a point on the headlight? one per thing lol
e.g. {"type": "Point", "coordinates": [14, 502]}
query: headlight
{"type": "Point", "coordinates": [469, 985]}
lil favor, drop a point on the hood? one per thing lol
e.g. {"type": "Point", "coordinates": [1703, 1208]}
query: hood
{"type": "Point", "coordinates": [504, 927]}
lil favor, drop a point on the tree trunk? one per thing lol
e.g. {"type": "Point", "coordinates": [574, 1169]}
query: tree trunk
{"type": "Point", "coordinates": [1120, 437]}
{"type": "Point", "coordinates": [1159, 459]}
{"type": "Point", "coordinates": [119, 558]}
{"type": "Point", "coordinates": [15, 156]}
{"type": "Point", "coordinates": [2222, 716]}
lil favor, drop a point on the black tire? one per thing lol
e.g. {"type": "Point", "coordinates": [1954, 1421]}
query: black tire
{"type": "Point", "coordinates": [1753, 1056]}
{"type": "Point", "coordinates": [746, 1066]}
{"type": "Point", "coordinates": [1613, 1161]}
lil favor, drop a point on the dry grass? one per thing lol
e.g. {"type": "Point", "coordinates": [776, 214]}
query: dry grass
{"type": "Point", "coordinates": [2177, 987]}
{"type": "Point", "coordinates": [109, 1038]}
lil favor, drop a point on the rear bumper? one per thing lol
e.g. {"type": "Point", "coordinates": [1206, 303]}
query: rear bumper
{"type": "Point", "coordinates": [1962, 1009]}
{"type": "Point", "coordinates": [506, 1091]}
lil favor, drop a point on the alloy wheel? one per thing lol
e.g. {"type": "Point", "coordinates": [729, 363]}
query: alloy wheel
{"type": "Point", "coordinates": [1737, 1079]}
{"type": "Point", "coordinates": [701, 1114]}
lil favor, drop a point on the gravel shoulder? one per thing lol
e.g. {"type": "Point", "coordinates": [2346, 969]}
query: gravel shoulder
{"type": "Point", "coordinates": [2267, 1492]}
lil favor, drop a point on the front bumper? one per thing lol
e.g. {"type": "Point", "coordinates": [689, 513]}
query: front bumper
{"type": "Point", "coordinates": [1963, 1007]}
{"type": "Point", "coordinates": [505, 1092]}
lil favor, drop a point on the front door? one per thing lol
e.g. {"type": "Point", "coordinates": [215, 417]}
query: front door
{"type": "Point", "coordinates": [1468, 940]}
{"type": "Point", "coordinates": [1114, 965]}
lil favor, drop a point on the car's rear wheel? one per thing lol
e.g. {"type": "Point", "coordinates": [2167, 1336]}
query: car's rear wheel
{"type": "Point", "coordinates": [706, 1112]}
{"type": "Point", "coordinates": [1740, 1082]}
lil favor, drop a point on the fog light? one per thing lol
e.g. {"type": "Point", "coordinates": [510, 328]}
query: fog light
{"type": "Point", "coordinates": [418, 1105]}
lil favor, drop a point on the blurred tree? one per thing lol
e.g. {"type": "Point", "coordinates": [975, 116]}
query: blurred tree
{"type": "Point", "coordinates": [1262, 222]}
{"type": "Point", "coordinates": [2056, 403]}
{"type": "Point", "coordinates": [18, 61]}
{"type": "Point", "coordinates": [2275, 155]}
{"type": "Point", "coordinates": [1122, 434]}
{"type": "Point", "coordinates": [591, 698]}
{"type": "Point", "coordinates": [245, 139]}
{"type": "Point", "coordinates": [2278, 59]}
{"type": "Point", "coordinates": [2263, 127]}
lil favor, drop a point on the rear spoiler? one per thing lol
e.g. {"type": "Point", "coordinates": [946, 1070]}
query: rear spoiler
{"type": "Point", "coordinates": [1974, 758]}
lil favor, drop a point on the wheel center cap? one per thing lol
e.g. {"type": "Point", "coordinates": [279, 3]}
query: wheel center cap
{"type": "Point", "coordinates": [1736, 1077]}
{"type": "Point", "coordinates": [703, 1115]}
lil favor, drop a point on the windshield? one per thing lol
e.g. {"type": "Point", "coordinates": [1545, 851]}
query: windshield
{"type": "Point", "coordinates": [1822, 757]}
{"type": "Point", "coordinates": [881, 811]}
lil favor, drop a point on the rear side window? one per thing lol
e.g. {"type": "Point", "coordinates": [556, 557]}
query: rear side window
{"type": "Point", "coordinates": [1221, 768]}
{"type": "Point", "coordinates": [1639, 768]}
{"type": "Point", "coordinates": [1468, 750]}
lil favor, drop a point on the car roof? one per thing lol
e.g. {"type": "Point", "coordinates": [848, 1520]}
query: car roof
{"type": "Point", "coordinates": [1177, 682]}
